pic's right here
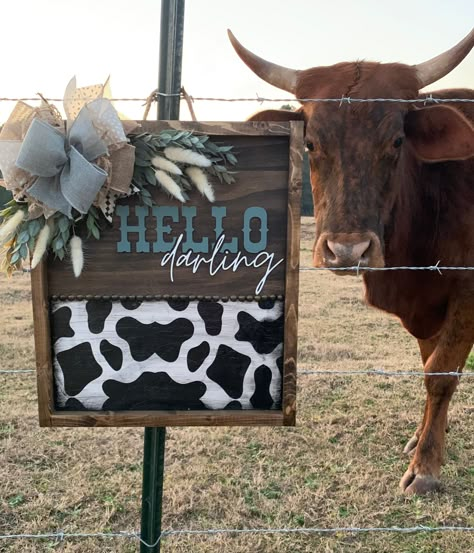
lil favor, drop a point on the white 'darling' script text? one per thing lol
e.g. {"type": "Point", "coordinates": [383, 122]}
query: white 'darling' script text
{"type": "Point", "coordinates": [195, 260]}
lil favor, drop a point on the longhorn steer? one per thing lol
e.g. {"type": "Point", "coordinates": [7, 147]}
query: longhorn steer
{"type": "Point", "coordinates": [393, 185]}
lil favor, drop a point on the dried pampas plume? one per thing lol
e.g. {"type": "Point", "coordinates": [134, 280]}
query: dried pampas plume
{"type": "Point", "coordinates": [169, 185]}
{"type": "Point", "coordinates": [182, 155]}
{"type": "Point", "coordinates": [9, 227]}
{"type": "Point", "coordinates": [199, 179]}
{"type": "Point", "coordinates": [77, 255]}
{"type": "Point", "coordinates": [41, 245]}
{"type": "Point", "coordinates": [166, 165]}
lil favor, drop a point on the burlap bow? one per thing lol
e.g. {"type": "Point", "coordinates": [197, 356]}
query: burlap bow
{"type": "Point", "coordinates": [61, 171]}
{"type": "Point", "coordinates": [66, 177]}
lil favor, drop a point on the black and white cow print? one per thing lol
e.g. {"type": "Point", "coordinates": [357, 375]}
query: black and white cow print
{"type": "Point", "coordinates": [175, 354]}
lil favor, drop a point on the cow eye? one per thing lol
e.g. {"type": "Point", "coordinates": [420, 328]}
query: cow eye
{"type": "Point", "coordinates": [398, 142]}
{"type": "Point", "coordinates": [310, 146]}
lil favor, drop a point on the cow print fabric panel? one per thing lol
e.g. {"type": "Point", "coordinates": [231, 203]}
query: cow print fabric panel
{"type": "Point", "coordinates": [176, 354]}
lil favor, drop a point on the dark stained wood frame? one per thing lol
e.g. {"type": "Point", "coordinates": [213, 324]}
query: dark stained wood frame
{"type": "Point", "coordinates": [49, 416]}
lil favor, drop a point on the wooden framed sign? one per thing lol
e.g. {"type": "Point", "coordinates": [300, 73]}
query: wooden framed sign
{"type": "Point", "coordinates": [185, 313]}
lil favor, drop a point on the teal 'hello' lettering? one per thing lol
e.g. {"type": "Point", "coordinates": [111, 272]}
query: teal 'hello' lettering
{"type": "Point", "coordinates": [203, 246]}
{"type": "Point", "coordinates": [255, 213]}
{"type": "Point", "coordinates": [142, 246]}
{"type": "Point", "coordinates": [166, 242]}
{"type": "Point", "coordinates": [160, 213]}
{"type": "Point", "coordinates": [219, 214]}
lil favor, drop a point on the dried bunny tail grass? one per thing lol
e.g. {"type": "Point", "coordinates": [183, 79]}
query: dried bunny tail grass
{"type": "Point", "coordinates": [41, 244]}
{"type": "Point", "coordinates": [199, 179]}
{"type": "Point", "coordinates": [169, 185]}
{"type": "Point", "coordinates": [77, 255]}
{"type": "Point", "coordinates": [166, 165]}
{"type": "Point", "coordinates": [186, 156]}
{"type": "Point", "coordinates": [9, 227]}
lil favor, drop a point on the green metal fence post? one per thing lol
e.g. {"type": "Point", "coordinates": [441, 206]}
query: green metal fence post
{"type": "Point", "coordinates": [152, 495]}
{"type": "Point", "coordinates": [171, 54]}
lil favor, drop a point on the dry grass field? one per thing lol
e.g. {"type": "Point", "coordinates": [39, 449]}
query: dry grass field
{"type": "Point", "coordinates": [339, 467]}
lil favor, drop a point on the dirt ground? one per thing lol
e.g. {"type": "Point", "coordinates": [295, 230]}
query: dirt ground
{"type": "Point", "coordinates": [338, 468]}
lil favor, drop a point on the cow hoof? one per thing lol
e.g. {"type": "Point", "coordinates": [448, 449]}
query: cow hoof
{"type": "Point", "coordinates": [410, 448]}
{"type": "Point", "coordinates": [419, 484]}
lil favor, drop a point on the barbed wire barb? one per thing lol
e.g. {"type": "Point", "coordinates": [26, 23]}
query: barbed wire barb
{"type": "Point", "coordinates": [348, 100]}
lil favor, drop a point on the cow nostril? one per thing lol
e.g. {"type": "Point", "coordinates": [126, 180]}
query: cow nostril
{"type": "Point", "coordinates": [348, 253]}
{"type": "Point", "coordinates": [357, 249]}
{"type": "Point", "coordinates": [362, 250]}
{"type": "Point", "coordinates": [329, 253]}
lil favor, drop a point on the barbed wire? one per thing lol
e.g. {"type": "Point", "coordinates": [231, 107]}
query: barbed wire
{"type": "Point", "coordinates": [342, 100]}
{"type": "Point", "coordinates": [359, 269]}
{"type": "Point", "coordinates": [328, 372]}
{"type": "Point", "coordinates": [383, 372]}
{"type": "Point", "coordinates": [37, 99]}
{"type": "Point", "coordinates": [19, 371]}
{"type": "Point", "coordinates": [428, 99]}
{"type": "Point", "coordinates": [61, 536]}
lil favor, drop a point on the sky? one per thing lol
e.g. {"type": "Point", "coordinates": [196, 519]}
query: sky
{"type": "Point", "coordinates": [46, 42]}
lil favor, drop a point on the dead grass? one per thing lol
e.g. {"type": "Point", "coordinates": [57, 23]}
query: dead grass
{"type": "Point", "coordinates": [339, 467]}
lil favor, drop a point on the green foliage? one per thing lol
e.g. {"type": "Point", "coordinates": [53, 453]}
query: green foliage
{"type": "Point", "coordinates": [148, 145]}
{"type": "Point", "coordinates": [470, 361]}
{"type": "Point", "coordinates": [93, 223]}
{"type": "Point", "coordinates": [5, 196]}
{"type": "Point", "coordinates": [9, 209]}
{"type": "Point", "coordinates": [61, 234]}
{"type": "Point", "coordinates": [16, 500]}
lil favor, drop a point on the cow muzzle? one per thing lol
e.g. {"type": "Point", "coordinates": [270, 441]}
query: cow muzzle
{"type": "Point", "coordinates": [338, 250]}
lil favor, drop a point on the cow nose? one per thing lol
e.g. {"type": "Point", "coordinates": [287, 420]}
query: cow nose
{"type": "Point", "coordinates": [340, 254]}
{"type": "Point", "coordinates": [335, 250]}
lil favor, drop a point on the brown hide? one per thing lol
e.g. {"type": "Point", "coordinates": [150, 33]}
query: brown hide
{"type": "Point", "coordinates": [422, 213]}
{"type": "Point", "coordinates": [439, 133]}
{"type": "Point", "coordinates": [432, 221]}
{"type": "Point", "coordinates": [393, 186]}
{"type": "Point", "coordinates": [277, 115]}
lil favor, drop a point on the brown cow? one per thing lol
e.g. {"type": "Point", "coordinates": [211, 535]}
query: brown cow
{"type": "Point", "coordinates": [393, 186]}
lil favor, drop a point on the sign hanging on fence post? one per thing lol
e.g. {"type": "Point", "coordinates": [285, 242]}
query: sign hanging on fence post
{"type": "Point", "coordinates": [185, 312]}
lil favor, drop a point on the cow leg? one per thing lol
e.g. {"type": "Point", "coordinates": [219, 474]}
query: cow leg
{"type": "Point", "coordinates": [449, 355]}
{"type": "Point", "coordinates": [426, 349]}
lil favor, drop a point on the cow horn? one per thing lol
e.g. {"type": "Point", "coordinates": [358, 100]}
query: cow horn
{"type": "Point", "coordinates": [278, 76]}
{"type": "Point", "coordinates": [436, 68]}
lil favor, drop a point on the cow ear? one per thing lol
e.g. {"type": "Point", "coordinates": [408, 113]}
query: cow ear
{"type": "Point", "coordinates": [277, 115]}
{"type": "Point", "coordinates": [439, 133]}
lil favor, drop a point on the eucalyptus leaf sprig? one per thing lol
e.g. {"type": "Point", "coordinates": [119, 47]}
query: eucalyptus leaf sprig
{"type": "Point", "coordinates": [14, 236]}
{"type": "Point", "coordinates": [165, 158]}
{"type": "Point", "coordinates": [32, 238]}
